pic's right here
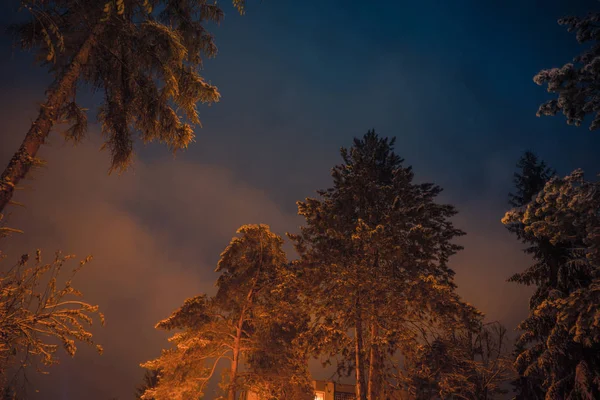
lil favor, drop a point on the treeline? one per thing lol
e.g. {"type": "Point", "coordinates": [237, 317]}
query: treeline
{"type": "Point", "coordinates": [378, 299]}
{"type": "Point", "coordinates": [370, 293]}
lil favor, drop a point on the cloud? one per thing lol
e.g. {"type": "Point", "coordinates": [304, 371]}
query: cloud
{"type": "Point", "coordinates": [155, 234]}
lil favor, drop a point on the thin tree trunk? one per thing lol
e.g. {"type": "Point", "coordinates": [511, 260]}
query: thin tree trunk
{"type": "Point", "coordinates": [360, 369]}
{"type": "Point", "coordinates": [231, 392]}
{"type": "Point", "coordinates": [373, 364]}
{"type": "Point", "coordinates": [237, 344]}
{"type": "Point", "coordinates": [373, 354]}
{"type": "Point", "coordinates": [24, 158]}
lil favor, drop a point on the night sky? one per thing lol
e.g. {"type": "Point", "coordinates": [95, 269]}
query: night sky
{"type": "Point", "coordinates": [451, 80]}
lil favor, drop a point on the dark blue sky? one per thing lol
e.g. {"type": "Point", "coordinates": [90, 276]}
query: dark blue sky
{"type": "Point", "coordinates": [452, 80]}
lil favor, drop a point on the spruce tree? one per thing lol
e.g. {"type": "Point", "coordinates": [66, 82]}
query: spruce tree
{"type": "Point", "coordinates": [559, 345]}
{"type": "Point", "coordinates": [530, 178]}
{"type": "Point", "coordinates": [374, 251]}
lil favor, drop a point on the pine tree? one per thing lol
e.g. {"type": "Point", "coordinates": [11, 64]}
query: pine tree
{"type": "Point", "coordinates": [374, 250]}
{"type": "Point", "coordinates": [144, 56]}
{"type": "Point", "coordinates": [560, 337]}
{"type": "Point", "coordinates": [575, 84]}
{"type": "Point", "coordinates": [252, 321]}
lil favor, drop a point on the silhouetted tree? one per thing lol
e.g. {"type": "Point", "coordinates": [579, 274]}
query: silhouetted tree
{"type": "Point", "coordinates": [374, 250]}
{"type": "Point", "coordinates": [463, 365]}
{"type": "Point", "coordinates": [151, 377]}
{"type": "Point", "coordinates": [530, 178]}
{"type": "Point", "coordinates": [562, 332]}
{"type": "Point", "coordinates": [252, 322]}
{"type": "Point", "coordinates": [492, 362]}
{"type": "Point", "coordinates": [144, 56]}
{"type": "Point", "coordinates": [575, 84]}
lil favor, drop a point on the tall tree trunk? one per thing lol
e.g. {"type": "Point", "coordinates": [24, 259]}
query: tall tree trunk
{"type": "Point", "coordinates": [373, 353]}
{"type": "Point", "coordinates": [24, 158]}
{"type": "Point", "coordinates": [373, 364]}
{"type": "Point", "coordinates": [360, 369]}
{"type": "Point", "coordinates": [237, 345]}
{"type": "Point", "coordinates": [231, 391]}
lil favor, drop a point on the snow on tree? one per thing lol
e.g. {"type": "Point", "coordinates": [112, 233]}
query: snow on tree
{"type": "Point", "coordinates": [150, 382]}
{"type": "Point", "coordinates": [562, 331]}
{"type": "Point", "coordinates": [252, 322]}
{"type": "Point", "coordinates": [37, 311]}
{"type": "Point", "coordinates": [374, 250]}
{"type": "Point", "coordinates": [463, 365]}
{"type": "Point", "coordinates": [576, 84]}
{"type": "Point", "coordinates": [143, 56]}
{"type": "Point", "coordinates": [530, 179]}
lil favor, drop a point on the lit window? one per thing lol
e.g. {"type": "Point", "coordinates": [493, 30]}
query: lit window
{"type": "Point", "coordinates": [319, 395]}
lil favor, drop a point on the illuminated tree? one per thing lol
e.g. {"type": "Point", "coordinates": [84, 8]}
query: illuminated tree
{"type": "Point", "coordinates": [576, 84]}
{"type": "Point", "coordinates": [144, 56]}
{"type": "Point", "coordinates": [252, 322]}
{"type": "Point", "coordinates": [35, 312]}
{"type": "Point", "coordinates": [563, 328]}
{"type": "Point", "coordinates": [530, 179]}
{"type": "Point", "coordinates": [374, 250]}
